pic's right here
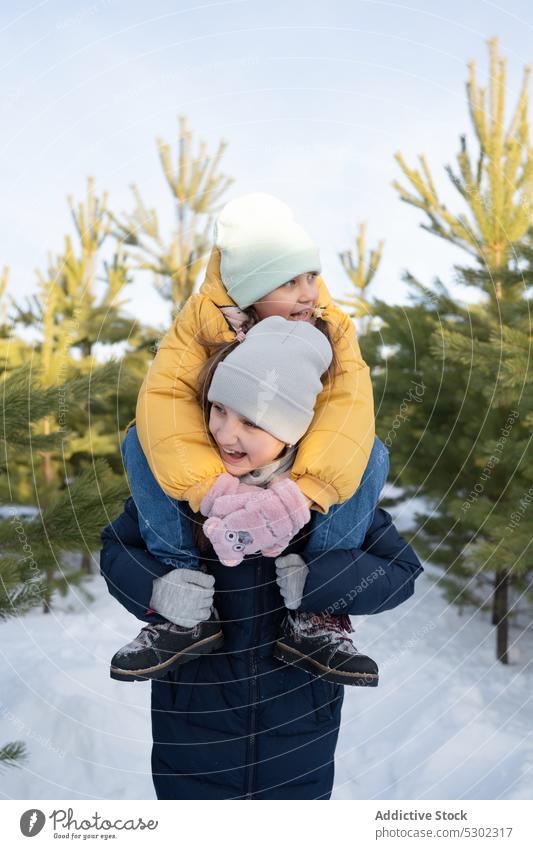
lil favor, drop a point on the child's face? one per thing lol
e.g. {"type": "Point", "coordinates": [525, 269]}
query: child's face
{"type": "Point", "coordinates": [232, 431]}
{"type": "Point", "coordinates": [294, 300]}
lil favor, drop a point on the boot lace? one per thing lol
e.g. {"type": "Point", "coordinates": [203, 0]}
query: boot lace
{"type": "Point", "coordinates": [151, 631]}
{"type": "Point", "coordinates": [148, 634]}
{"type": "Point", "coordinates": [324, 624]}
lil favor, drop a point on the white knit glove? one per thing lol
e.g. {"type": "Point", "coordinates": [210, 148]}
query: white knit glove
{"type": "Point", "coordinates": [291, 575]}
{"type": "Point", "coordinates": [183, 596]}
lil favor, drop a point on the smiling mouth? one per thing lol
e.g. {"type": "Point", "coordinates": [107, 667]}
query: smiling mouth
{"type": "Point", "coordinates": [230, 457]}
{"type": "Point", "coordinates": [301, 315]}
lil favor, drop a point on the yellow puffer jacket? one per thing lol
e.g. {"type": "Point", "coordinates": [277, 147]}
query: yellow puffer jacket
{"type": "Point", "coordinates": [331, 457]}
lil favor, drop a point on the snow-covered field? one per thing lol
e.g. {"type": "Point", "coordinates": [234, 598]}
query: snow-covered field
{"type": "Point", "coordinates": [446, 722]}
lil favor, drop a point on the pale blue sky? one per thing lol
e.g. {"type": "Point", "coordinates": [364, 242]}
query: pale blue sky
{"type": "Point", "coordinates": [313, 98]}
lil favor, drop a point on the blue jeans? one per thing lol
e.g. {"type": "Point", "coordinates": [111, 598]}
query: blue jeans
{"type": "Point", "coordinates": [345, 525]}
{"type": "Point", "coordinates": [166, 524]}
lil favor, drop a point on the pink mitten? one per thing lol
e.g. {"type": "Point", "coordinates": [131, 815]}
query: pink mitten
{"type": "Point", "coordinates": [224, 485]}
{"type": "Point", "coordinates": [294, 501]}
{"type": "Point", "coordinates": [230, 545]}
{"type": "Point", "coordinates": [266, 524]}
{"type": "Point", "coordinates": [227, 495]}
{"type": "Point", "coordinates": [226, 504]}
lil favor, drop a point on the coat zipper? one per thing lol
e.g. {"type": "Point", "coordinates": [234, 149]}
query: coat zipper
{"type": "Point", "coordinates": [254, 692]}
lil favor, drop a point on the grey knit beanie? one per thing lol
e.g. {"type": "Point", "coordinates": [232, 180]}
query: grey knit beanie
{"type": "Point", "coordinates": [273, 377]}
{"type": "Point", "coordinates": [261, 247]}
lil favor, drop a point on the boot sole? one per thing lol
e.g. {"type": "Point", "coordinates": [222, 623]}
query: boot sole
{"type": "Point", "coordinates": [206, 646]}
{"type": "Point", "coordinates": [293, 657]}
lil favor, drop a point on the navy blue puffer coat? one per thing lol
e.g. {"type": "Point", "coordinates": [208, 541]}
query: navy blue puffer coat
{"type": "Point", "coordinates": [240, 724]}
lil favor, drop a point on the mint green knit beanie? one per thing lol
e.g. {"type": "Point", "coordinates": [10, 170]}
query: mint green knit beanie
{"type": "Point", "coordinates": [261, 247]}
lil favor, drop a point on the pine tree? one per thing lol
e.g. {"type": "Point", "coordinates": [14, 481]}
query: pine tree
{"type": "Point", "coordinates": [451, 438]}
{"type": "Point", "coordinates": [499, 359]}
{"type": "Point", "coordinates": [418, 397]}
{"type": "Point", "coordinates": [196, 188]}
{"type": "Point", "coordinates": [77, 310]}
{"type": "Point", "coordinates": [59, 316]}
{"type": "Point", "coordinates": [13, 350]}
{"type": "Point", "coordinates": [33, 546]}
{"type": "Point", "coordinates": [361, 272]}
{"type": "Point", "coordinates": [496, 187]}
{"type": "Point", "coordinates": [24, 450]}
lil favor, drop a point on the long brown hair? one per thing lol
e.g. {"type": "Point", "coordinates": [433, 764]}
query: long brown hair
{"type": "Point", "coordinates": [218, 351]}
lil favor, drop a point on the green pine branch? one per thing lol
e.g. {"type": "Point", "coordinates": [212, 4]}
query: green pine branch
{"type": "Point", "coordinates": [13, 754]}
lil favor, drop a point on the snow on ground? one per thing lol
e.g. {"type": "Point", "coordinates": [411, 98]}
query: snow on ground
{"type": "Point", "coordinates": [87, 736]}
{"type": "Point", "coordinates": [446, 722]}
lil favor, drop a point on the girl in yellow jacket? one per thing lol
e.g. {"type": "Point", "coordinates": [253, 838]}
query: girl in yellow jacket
{"type": "Point", "coordinates": [263, 264]}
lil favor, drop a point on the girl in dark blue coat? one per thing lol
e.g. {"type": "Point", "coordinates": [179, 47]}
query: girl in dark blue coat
{"type": "Point", "coordinates": [239, 723]}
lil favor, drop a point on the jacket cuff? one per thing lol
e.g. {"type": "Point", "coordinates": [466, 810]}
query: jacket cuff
{"type": "Point", "coordinates": [323, 495]}
{"type": "Point", "coordinates": [196, 493]}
